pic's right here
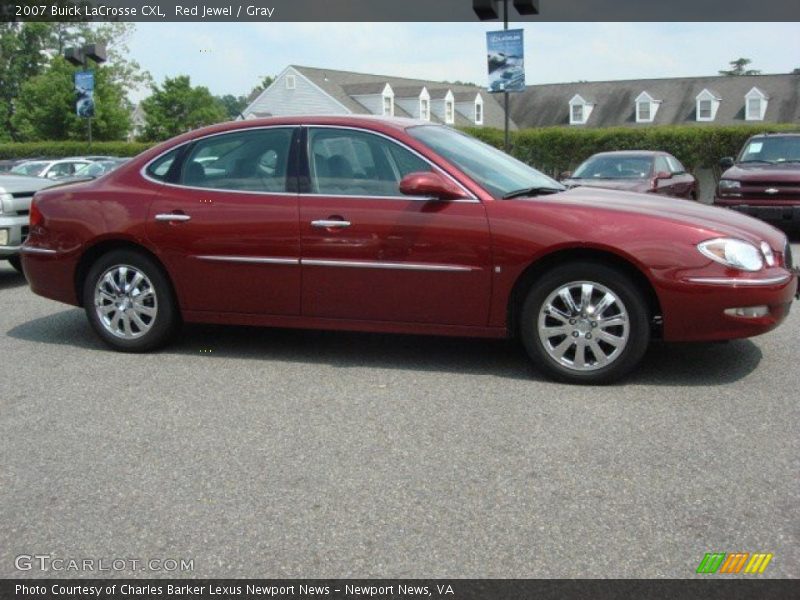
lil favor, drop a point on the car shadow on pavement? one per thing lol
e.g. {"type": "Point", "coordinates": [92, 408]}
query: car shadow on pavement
{"type": "Point", "coordinates": [11, 279]}
{"type": "Point", "coordinates": [664, 364]}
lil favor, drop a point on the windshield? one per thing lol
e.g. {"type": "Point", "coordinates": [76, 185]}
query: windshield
{"type": "Point", "coordinates": [495, 171]}
{"type": "Point", "coordinates": [31, 168]}
{"type": "Point", "coordinates": [94, 169]}
{"type": "Point", "coordinates": [772, 149]}
{"type": "Point", "coordinates": [615, 167]}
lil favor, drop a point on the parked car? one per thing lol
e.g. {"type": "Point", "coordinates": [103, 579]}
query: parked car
{"type": "Point", "coordinates": [7, 164]}
{"type": "Point", "coordinates": [50, 169]}
{"type": "Point", "coordinates": [93, 170]}
{"type": "Point", "coordinates": [635, 171]}
{"type": "Point", "coordinates": [764, 180]}
{"type": "Point", "coordinates": [16, 192]}
{"type": "Point", "coordinates": [396, 225]}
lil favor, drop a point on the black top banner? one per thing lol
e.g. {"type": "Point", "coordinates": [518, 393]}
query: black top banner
{"type": "Point", "coordinates": [395, 589]}
{"type": "Point", "coordinates": [398, 10]}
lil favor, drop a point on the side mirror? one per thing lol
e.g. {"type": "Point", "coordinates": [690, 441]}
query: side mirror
{"type": "Point", "coordinates": [431, 185]}
{"type": "Point", "coordinates": [565, 175]}
{"type": "Point", "coordinates": [726, 163]}
{"type": "Point", "coordinates": [663, 175]}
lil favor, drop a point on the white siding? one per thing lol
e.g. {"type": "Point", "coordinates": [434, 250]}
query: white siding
{"type": "Point", "coordinates": [305, 99]}
{"type": "Point", "coordinates": [467, 109]}
{"type": "Point", "coordinates": [373, 103]}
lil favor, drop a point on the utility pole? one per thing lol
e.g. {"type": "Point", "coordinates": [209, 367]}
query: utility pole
{"type": "Point", "coordinates": [487, 10]}
{"type": "Point", "coordinates": [80, 58]}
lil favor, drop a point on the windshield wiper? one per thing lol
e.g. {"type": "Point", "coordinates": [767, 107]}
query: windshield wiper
{"type": "Point", "coordinates": [755, 160]}
{"type": "Point", "coordinates": [531, 191]}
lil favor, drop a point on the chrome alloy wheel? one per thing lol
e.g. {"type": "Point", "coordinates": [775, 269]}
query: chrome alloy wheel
{"type": "Point", "coordinates": [126, 302]}
{"type": "Point", "coordinates": [583, 326]}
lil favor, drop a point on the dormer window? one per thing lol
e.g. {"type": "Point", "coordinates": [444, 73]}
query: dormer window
{"type": "Point", "coordinates": [755, 105]}
{"type": "Point", "coordinates": [707, 105]}
{"type": "Point", "coordinates": [449, 112]}
{"type": "Point", "coordinates": [479, 111]}
{"type": "Point", "coordinates": [646, 108]}
{"type": "Point", "coordinates": [425, 105]}
{"type": "Point", "coordinates": [291, 82]}
{"type": "Point", "coordinates": [388, 101]}
{"type": "Point", "coordinates": [579, 110]}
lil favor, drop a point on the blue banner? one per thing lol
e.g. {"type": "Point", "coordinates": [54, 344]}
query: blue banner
{"type": "Point", "coordinates": [84, 91]}
{"type": "Point", "coordinates": [506, 59]}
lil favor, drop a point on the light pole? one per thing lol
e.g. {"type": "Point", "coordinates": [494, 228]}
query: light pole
{"type": "Point", "coordinates": [80, 58]}
{"type": "Point", "coordinates": [487, 11]}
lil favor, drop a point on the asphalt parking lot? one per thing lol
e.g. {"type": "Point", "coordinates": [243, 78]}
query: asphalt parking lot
{"type": "Point", "coordinates": [276, 453]}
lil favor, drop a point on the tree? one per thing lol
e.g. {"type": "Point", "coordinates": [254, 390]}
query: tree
{"type": "Point", "coordinates": [45, 109]}
{"type": "Point", "coordinates": [176, 107]}
{"type": "Point", "coordinates": [22, 56]}
{"type": "Point", "coordinates": [232, 105]}
{"type": "Point", "coordinates": [738, 68]}
{"type": "Point", "coordinates": [27, 49]}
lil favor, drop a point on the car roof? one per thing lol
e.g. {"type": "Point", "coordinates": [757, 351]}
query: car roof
{"type": "Point", "coordinates": [631, 153]}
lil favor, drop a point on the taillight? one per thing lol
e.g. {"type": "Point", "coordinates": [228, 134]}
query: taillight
{"type": "Point", "coordinates": [36, 218]}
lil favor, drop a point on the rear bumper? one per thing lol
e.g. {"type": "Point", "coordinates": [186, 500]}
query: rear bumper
{"type": "Point", "coordinates": [51, 274]}
{"type": "Point", "coordinates": [774, 213]}
{"type": "Point", "coordinates": [695, 307]}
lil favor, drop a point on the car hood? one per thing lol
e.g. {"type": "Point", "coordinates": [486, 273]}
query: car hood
{"type": "Point", "coordinates": [712, 220]}
{"type": "Point", "coordinates": [15, 184]}
{"type": "Point", "coordinates": [631, 185]}
{"type": "Point", "coordinates": [759, 172]}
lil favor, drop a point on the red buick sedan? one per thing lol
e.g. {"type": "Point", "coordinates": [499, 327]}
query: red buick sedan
{"type": "Point", "coordinates": [394, 225]}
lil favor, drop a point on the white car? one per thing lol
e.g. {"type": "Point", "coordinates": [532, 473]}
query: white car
{"type": "Point", "coordinates": [50, 169]}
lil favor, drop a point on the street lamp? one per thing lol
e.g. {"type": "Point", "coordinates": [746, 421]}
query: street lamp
{"type": "Point", "coordinates": [487, 11]}
{"type": "Point", "coordinates": [80, 58]}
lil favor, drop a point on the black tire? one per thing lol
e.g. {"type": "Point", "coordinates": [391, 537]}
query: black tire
{"type": "Point", "coordinates": [15, 262]}
{"type": "Point", "coordinates": [161, 326]}
{"type": "Point", "coordinates": [629, 299]}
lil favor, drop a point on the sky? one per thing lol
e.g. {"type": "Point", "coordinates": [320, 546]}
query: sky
{"type": "Point", "coordinates": [231, 58]}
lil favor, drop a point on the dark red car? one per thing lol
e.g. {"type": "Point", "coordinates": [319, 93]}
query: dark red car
{"type": "Point", "coordinates": [394, 225]}
{"type": "Point", "coordinates": [635, 171]}
{"type": "Point", "coordinates": [764, 180]}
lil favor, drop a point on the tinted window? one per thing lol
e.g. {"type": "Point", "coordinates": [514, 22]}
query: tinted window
{"type": "Point", "coordinates": [159, 168]}
{"type": "Point", "coordinates": [346, 162]}
{"type": "Point", "coordinates": [674, 165]}
{"type": "Point", "coordinates": [661, 165]}
{"type": "Point", "coordinates": [248, 161]}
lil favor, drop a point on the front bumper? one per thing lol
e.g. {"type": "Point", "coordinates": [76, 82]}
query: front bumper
{"type": "Point", "coordinates": [695, 306]}
{"type": "Point", "coordinates": [773, 213]}
{"type": "Point", "coordinates": [13, 231]}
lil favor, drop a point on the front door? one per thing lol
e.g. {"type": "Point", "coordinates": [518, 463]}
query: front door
{"type": "Point", "coordinates": [227, 226]}
{"type": "Point", "coordinates": [370, 253]}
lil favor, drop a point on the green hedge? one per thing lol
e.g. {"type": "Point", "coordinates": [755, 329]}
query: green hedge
{"type": "Point", "coordinates": [62, 149]}
{"type": "Point", "coordinates": [557, 149]}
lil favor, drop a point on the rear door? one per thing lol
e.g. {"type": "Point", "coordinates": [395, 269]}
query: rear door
{"type": "Point", "coordinates": [226, 222]}
{"type": "Point", "coordinates": [371, 253]}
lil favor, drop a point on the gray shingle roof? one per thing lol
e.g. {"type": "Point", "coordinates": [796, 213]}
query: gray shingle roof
{"type": "Point", "coordinates": [548, 105]}
{"type": "Point", "coordinates": [341, 85]}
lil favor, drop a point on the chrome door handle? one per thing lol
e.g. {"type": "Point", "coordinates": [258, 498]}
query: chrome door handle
{"type": "Point", "coordinates": [172, 217]}
{"type": "Point", "coordinates": [328, 224]}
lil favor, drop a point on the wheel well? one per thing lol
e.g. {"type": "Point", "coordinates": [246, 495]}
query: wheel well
{"type": "Point", "coordinates": [551, 261]}
{"type": "Point", "coordinates": [92, 254]}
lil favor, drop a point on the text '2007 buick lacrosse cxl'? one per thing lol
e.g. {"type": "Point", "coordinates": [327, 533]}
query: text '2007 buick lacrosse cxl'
{"type": "Point", "coordinates": [395, 225]}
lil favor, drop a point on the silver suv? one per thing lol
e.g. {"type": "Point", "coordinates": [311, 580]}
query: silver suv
{"type": "Point", "coordinates": [16, 193]}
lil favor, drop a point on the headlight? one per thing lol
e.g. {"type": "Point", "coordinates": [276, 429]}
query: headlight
{"type": "Point", "coordinates": [726, 185]}
{"type": "Point", "coordinates": [733, 253]}
{"type": "Point", "coordinates": [3, 199]}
